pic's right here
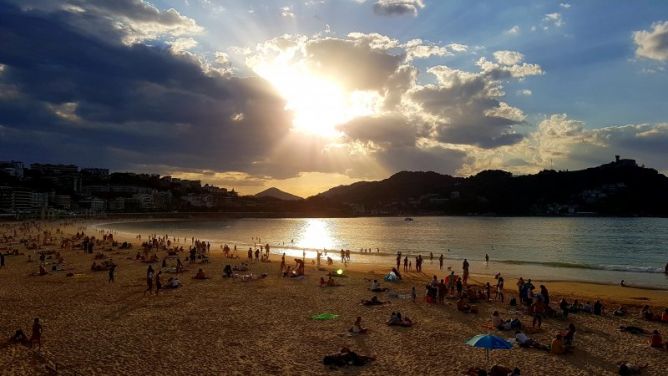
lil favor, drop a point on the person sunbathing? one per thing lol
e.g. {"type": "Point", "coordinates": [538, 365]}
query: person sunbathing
{"type": "Point", "coordinates": [524, 341]}
{"type": "Point", "coordinates": [620, 311]}
{"type": "Point", "coordinates": [557, 347]}
{"type": "Point", "coordinates": [240, 268]}
{"type": "Point", "coordinates": [655, 340]}
{"type": "Point", "coordinates": [499, 370]}
{"type": "Point", "coordinates": [227, 271]}
{"type": "Point", "coordinates": [19, 337]}
{"type": "Point", "coordinates": [346, 357]}
{"type": "Point", "coordinates": [499, 323]}
{"type": "Point", "coordinates": [397, 320]}
{"type": "Point", "coordinates": [633, 330]}
{"type": "Point", "coordinates": [375, 287]}
{"type": "Point", "coordinates": [357, 327]}
{"type": "Point", "coordinates": [569, 335]}
{"type": "Point", "coordinates": [627, 368]}
{"type": "Point", "coordinates": [200, 275]}
{"type": "Point", "coordinates": [373, 301]}
{"type": "Point", "coordinates": [173, 283]}
{"type": "Point", "coordinates": [646, 313]}
{"type": "Point", "coordinates": [42, 270]}
{"type": "Point", "coordinates": [332, 283]}
{"type": "Point", "coordinates": [465, 307]}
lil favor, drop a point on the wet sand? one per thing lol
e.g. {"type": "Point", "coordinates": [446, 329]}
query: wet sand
{"type": "Point", "coordinates": [225, 327]}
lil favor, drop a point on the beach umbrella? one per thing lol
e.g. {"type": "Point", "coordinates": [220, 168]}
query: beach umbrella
{"type": "Point", "coordinates": [489, 342]}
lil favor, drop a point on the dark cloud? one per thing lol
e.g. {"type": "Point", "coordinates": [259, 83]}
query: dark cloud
{"type": "Point", "coordinates": [127, 21]}
{"type": "Point", "coordinates": [446, 161]}
{"type": "Point", "coordinates": [78, 98]}
{"type": "Point", "coordinates": [394, 130]}
{"type": "Point", "coordinates": [467, 109]}
{"type": "Point", "coordinates": [397, 7]}
{"type": "Point", "coordinates": [354, 65]}
{"type": "Point", "coordinates": [653, 44]}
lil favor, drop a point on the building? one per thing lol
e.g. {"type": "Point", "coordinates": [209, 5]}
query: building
{"type": "Point", "coordinates": [99, 172]}
{"type": "Point", "coordinates": [13, 168]}
{"type": "Point", "coordinates": [116, 204]}
{"type": "Point", "coordinates": [15, 200]}
{"type": "Point", "coordinates": [93, 204]}
{"type": "Point", "coordinates": [144, 200]}
{"type": "Point", "coordinates": [54, 169]}
{"type": "Point", "coordinates": [40, 200]}
{"type": "Point", "coordinates": [62, 201]}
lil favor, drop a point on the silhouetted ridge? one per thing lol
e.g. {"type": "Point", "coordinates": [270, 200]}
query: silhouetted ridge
{"type": "Point", "coordinates": [617, 188]}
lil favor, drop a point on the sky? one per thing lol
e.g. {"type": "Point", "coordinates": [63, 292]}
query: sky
{"type": "Point", "coordinates": [307, 95]}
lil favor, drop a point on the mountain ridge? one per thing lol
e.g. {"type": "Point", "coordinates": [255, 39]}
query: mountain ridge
{"type": "Point", "coordinates": [276, 193]}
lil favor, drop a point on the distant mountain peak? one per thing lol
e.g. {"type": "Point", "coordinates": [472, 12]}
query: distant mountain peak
{"type": "Point", "coordinates": [274, 192]}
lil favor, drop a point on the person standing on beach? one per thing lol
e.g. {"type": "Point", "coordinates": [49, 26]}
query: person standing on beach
{"type": "Point", "coordinates": [499, 289]}
{"type": "Point", "coordinates": [158, 282]}
{"type": "Point", "coordinates": [36, 333]}
{"type": "Point", "coordinates": [149, 280]}
{"type": "Point", "coordinates": [440, 262]}
{"type": "Point", "coordinates": [406, 263]}
{"type": "Point", "coordinates": [465, 267]}
{"type": "Point", "coordinates": [486, 258]}
{"type": "Point", "coordinates": [2, 260]}
{"type": "Point", "coordinates": [545, 294]}
{"type": "Point", "coordinates": [398, 259]}
{"type": "Point", "coordinates": [537, 310]}
{"type": "Point", "coordinates": [460, 287]}
{"type": "Point", "coordinates": [112, 270]}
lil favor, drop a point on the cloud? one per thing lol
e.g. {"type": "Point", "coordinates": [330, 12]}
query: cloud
{"type": "Point", "coordinates": [81, 99]}
{"type": "Point", "coordinates": [524, 92]}
{"type": "Point", "coordinates": [508, 57]}
{"type": "Point", "coordinates": [554, 19]}
{"type": "Point", "coordinates": [287, 12]}
{"type": "Point", "coordinates": [129, 21]}
{"type": "Point", "coordinates": [564, 143]}
{"type": "Point", "coordinates": [515, 30]}
{"type": "Point", "coordinates": [181, 45]}
{"type": "Point", "coordinates": [398, 7]}
{"type": "Point", "coordinates": [565, 5]}
{"type": "Point", "coordinates": [653, 44]}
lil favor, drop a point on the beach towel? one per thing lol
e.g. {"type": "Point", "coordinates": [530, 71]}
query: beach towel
{"type": "Point", "coordinates": [324, 316]}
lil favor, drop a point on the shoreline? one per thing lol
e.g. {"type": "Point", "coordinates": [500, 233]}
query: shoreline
{"type": "Point", "coordinates": [518, 268]}
{"type": "Point", "coordinates": [631, 295]}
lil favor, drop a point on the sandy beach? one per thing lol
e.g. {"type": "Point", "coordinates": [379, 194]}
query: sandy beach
{"type": "Point", "coordinates": [223, 326]}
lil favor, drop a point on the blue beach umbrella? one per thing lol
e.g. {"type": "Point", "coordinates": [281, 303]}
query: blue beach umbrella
{"type": "Point", "coordinates": [489, 342]}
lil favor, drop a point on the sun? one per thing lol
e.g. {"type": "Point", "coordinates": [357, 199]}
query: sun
{"type": "Point", "coordinates": [319, 104]}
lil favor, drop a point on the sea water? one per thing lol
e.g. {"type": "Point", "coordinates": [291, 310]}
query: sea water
{"type": "Point", "coordinates": [603, 250]}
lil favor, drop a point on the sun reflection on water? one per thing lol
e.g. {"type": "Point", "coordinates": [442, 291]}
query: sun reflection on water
{"type": "Point", "coordinates": [315, 234]}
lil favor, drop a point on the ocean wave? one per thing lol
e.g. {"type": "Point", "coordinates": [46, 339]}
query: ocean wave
{"type": "Point", "coordinates": [618, 268]}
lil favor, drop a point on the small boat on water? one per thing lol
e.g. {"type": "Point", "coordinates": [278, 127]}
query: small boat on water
{"type": "Point", "coordinates": [408, 219]}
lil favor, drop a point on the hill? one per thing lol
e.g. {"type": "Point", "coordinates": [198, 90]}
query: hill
{"type": "Point", "coordinates": [278, 194]}
{"type": "Point", "coordinates": [619, 188]}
